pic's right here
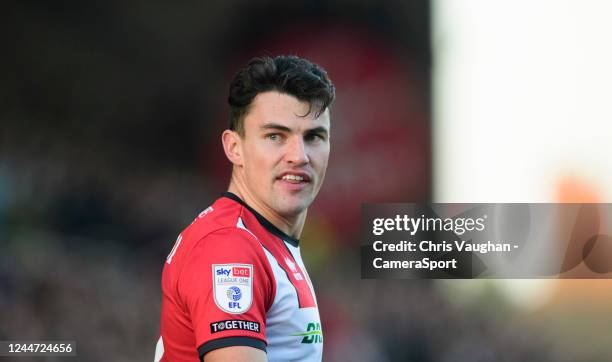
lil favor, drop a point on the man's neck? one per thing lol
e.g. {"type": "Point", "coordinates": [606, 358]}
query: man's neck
{"type": "Point", "coordinates": [290, 226]}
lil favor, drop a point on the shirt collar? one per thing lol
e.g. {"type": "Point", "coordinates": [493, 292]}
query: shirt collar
{"type": "Point", "coordinates": [263, 221]}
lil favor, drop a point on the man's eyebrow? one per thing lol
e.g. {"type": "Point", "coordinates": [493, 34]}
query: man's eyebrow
{"type": "Point", "coordinates": [319, 129]}
{"type": "Point", "coordinates": [279, 127]}
{"type": "Point", "coordinates": [275, 126]}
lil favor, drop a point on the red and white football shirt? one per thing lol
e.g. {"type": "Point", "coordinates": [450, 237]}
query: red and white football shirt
{"type": "Point", "coordinates": [234, 279]}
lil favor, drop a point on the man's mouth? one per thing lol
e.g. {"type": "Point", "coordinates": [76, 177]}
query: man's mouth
{"type": "Point", "coordinates": [294, 177]}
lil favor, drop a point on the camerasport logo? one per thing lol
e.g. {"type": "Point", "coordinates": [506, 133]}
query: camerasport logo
{"type": "Point", "coordinates": [233, 287]}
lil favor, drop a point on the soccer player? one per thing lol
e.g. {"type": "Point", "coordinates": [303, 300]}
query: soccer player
{"type": "Point", "coordinates": [234, 285]}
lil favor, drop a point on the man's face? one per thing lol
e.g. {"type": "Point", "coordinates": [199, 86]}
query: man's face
{"type": "Point", "coordinates": [284, 154]}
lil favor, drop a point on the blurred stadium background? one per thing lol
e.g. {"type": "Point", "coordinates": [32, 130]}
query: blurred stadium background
{"type": "Point", "coordinates": [109, 146]}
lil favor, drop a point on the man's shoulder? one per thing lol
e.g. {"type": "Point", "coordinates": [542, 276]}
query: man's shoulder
{"type": "Point", "coordinates": [221, 217]}
{"type": "Point", "coordinates": [220, 222]}
{"type": "Point", "coordinates": [215, 232]}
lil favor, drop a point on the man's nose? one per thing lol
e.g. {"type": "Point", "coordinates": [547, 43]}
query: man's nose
{"type": "Point", "coordinates": [296, 152]}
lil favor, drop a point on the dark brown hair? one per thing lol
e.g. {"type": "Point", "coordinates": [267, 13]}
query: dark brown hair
{"type": "Point", "coordinates": [291, 75]}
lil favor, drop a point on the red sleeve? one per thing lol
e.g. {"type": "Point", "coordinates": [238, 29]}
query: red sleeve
{"type": "Point", "coordinates": [227, 286]}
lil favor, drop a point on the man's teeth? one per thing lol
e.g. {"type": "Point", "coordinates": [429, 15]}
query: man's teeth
{"type": "Point", "coordinates": [293, 178]}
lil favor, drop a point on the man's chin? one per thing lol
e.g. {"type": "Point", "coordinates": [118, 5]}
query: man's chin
{"type": "Point", "coordinates": [292, 208]}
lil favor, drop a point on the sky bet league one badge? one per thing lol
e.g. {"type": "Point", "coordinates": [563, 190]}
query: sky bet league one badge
{"type": "Point", "coordinates": [233, 287]}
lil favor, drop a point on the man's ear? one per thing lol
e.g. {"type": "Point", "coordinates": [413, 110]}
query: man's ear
{"type": "Point", "coordinates": [232, 145]}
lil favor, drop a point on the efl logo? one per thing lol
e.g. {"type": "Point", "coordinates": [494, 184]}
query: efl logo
{"type": "Point", "coordinates": [233, 287]}
{"type": "Point", "coordinates": [241, 272]}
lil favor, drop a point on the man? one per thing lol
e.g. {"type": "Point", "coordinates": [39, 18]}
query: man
{"type": "Point", "coordinates": [234, 285]}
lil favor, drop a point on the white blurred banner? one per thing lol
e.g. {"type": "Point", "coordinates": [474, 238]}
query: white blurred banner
{"type": "Point", "coordinates": [522, 101]}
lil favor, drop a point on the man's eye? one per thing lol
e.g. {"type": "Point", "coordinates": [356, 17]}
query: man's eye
{"type": "Point", "coordinates": [273, 137]}
{"type": "Point", "coordinates": [314, 137]}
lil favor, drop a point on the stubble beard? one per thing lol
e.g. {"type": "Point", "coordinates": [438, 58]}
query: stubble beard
{"type": "Point", "coordinates": [291, 206]}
